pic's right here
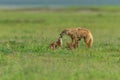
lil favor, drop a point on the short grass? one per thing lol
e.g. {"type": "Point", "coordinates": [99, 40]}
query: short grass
{"type": "Point", "coordinates": [26, 35]}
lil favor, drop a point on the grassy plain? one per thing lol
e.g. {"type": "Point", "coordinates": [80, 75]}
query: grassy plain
{"type": "Point", "coordinates": [26, 34]}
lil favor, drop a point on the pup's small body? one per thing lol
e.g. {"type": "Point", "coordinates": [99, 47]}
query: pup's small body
{"type": "Point", "coordinates": [56, 44]}
{"type": "Point", "coordinates": [70, 45]}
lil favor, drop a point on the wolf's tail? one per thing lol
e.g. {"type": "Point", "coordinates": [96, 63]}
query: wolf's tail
{"type": "Point", "coordinates": [91, 40]}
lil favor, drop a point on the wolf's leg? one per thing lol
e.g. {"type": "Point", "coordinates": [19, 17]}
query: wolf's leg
{"type": "Point", "coordinates": [75, 42]}
{"type": "Point", "coordinates": [86, 39]}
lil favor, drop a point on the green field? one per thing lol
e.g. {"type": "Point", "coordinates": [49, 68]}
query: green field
{"type": "Point", "coordinates": [26, 35]}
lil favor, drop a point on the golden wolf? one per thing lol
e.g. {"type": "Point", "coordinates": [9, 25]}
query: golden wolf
{"type": "Point", "coordinates": [77, 34]}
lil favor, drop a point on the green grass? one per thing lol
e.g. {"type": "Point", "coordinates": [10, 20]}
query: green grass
{"type": "Point", "coordinates": [26, 35]}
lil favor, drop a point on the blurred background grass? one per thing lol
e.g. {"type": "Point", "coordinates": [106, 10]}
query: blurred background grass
{"type": "Point", "coordinates": [25, 35]}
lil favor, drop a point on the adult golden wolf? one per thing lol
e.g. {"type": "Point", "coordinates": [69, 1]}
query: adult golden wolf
{"type": "Point", "coordinates": [77, 34]}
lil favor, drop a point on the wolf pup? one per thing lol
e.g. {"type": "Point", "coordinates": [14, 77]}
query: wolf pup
{"type": "Point", "coordinates": [56, 44]}
{"type": "Point", "coordinates": [71, 46]}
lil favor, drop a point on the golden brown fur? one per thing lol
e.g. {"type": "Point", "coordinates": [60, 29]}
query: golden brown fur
{"type": "Point", "coordinates": [56, 44]}
{"type": "Point", "coordinates": [77, 34]}
{"type": "Point", "coordinates": [70, 45]}
{"type": "Point", "coordinates": [86, 35]}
